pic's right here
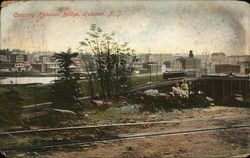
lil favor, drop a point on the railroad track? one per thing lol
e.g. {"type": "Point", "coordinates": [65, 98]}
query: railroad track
{"type": "Point", "coordinates": [119, 138]}
{"type": "Point", "coordinates": [71, 142]}
{"type": "Point", "coordinates": [116, 125]}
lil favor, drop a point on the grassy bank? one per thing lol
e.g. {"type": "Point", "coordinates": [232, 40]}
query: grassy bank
{"type": "Point", "coordinates": [31, 94]}
{"type": "Point", "coordinates": [138, 80]}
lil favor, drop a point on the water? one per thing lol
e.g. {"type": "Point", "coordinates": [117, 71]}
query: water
{"type": "Point", "coordinates": [27, 80]}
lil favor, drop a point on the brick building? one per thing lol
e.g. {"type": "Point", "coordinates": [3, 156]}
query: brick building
{"type": "Point", "coordinates": [227, 68]}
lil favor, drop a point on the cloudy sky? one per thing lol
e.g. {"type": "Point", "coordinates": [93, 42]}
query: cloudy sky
{"type": "Point", "coordinates": [162, 26]}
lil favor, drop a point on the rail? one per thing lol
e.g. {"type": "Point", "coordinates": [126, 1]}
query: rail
{"type": "Point", "coordinates": [5, 133]}
{"type": "Point", "coordinates": [119, 138]}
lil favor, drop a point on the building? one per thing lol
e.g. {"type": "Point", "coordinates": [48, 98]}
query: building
{"type": "Point", "coordinates": [218, 58]}
{"type": "Point", "coordinates": [192, 64]}
{"type": "Point", "coordinates": [189, 63]}
{"type": "Point", "coordinates": [38, 67]}
{"type": "Point", "coordinates": [235, 59]}
{"type": "Point", "coordinates": [206, 65]}
{"type": "Point", "coordinates": [142, 58]}
{"type": "Point", "coordinates": [6, 67]}
{"type": "Point", "coordinates": [227, 68]}
{"type": "Point", "coordinates": [4, 58]}
{"type": "Point", "coordinates": [247, 71]}
{"type": "Point", "coordinates": [176, 65]}
{"type": "Point", "coordinates": [79, 64]}
{"type": "Point", "coordinates": [152, 67]}
{"type": "Point", "coordinates": [29, 58]}
{"type": "Point", "coordinates": [52, 67]}
{"type": "Point", "coordinates": [12, 67]}
{"type": "Point", "coordinates": [20, 67]}
{"type": "Point", "coordinates": [17, 58]}
{"type": "Point", "coordinates": [138, 66]}
{"type": "Point", "coordinates": [205, 60]}
{"type": "Point", "coordinates": [244, 66]}
{"type": "Point", "coordinates": [45, 58]}
{"type": "Point", "coordinates": [157, 58]}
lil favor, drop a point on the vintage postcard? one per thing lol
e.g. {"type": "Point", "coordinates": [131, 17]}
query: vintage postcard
{"type": "Point", "coordinates": [121, 79]}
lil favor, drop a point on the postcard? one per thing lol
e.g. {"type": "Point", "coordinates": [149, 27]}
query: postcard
{"type": "Point", "coordinates": [110, 78]}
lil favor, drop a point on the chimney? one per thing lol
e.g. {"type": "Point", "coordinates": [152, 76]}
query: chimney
{"type": "Point", "coordinates": [191, 55]}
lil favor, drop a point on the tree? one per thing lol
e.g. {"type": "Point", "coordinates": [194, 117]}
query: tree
{"type": "Point", "coordinates": [65, 90]}
{"type": "Point", "coordinates": [89, 67]}
{"type": "Point", "coordinates": [113, 61]}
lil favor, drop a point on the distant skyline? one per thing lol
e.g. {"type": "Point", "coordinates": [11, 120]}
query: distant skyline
{"type": "Point", "coordinates": [162, 26]}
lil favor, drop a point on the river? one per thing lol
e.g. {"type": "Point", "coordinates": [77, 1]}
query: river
{"type": "Point", "coordinates": [27, 80]}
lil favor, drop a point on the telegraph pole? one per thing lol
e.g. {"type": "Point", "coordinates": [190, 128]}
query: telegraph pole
{"type": "Point", "coordinates": [149, 66]}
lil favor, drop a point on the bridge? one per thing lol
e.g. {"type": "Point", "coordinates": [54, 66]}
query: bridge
{"type": "Point", "coordinates": [216, 86]}
{"type": "Point", "coordinates": [220, 86]}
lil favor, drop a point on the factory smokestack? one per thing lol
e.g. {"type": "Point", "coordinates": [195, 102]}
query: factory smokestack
{"type": "Point", "coordinates": [191, 55]}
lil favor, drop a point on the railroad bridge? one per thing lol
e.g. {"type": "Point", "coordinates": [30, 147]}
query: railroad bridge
{"type": "Point", "coordinates": [220, 86]}
{"type": "Point", "coordinates": [215, 86]}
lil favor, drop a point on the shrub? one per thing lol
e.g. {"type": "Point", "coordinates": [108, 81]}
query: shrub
{"type": "Point", "coordinates": [166, 103]}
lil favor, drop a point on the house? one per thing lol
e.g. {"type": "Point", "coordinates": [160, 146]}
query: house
{"type": "Point", "coordinates": [52, 67]}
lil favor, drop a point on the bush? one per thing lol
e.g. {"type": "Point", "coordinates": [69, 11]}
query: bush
{"type": "Point", "coordinates": [166, 103]}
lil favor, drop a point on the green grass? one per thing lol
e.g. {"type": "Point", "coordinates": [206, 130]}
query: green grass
{"type": "Point", "coordinates": [134, 81]}
{"type": "Point", "coordinates": [31, 95]}
{"type": "Point", "coordinates": [138, 80]}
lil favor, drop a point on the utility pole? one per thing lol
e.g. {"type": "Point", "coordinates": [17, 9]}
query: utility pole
{"type": "Point", "coordinates": [35, 97]}
{"type": "Point", "coordinates": [16, 76]}
{"type": "Point", "coordinates": [149, 66]}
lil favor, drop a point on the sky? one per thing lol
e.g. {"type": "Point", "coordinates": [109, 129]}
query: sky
{"type": "Point", "coordinates": [161, 26]}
